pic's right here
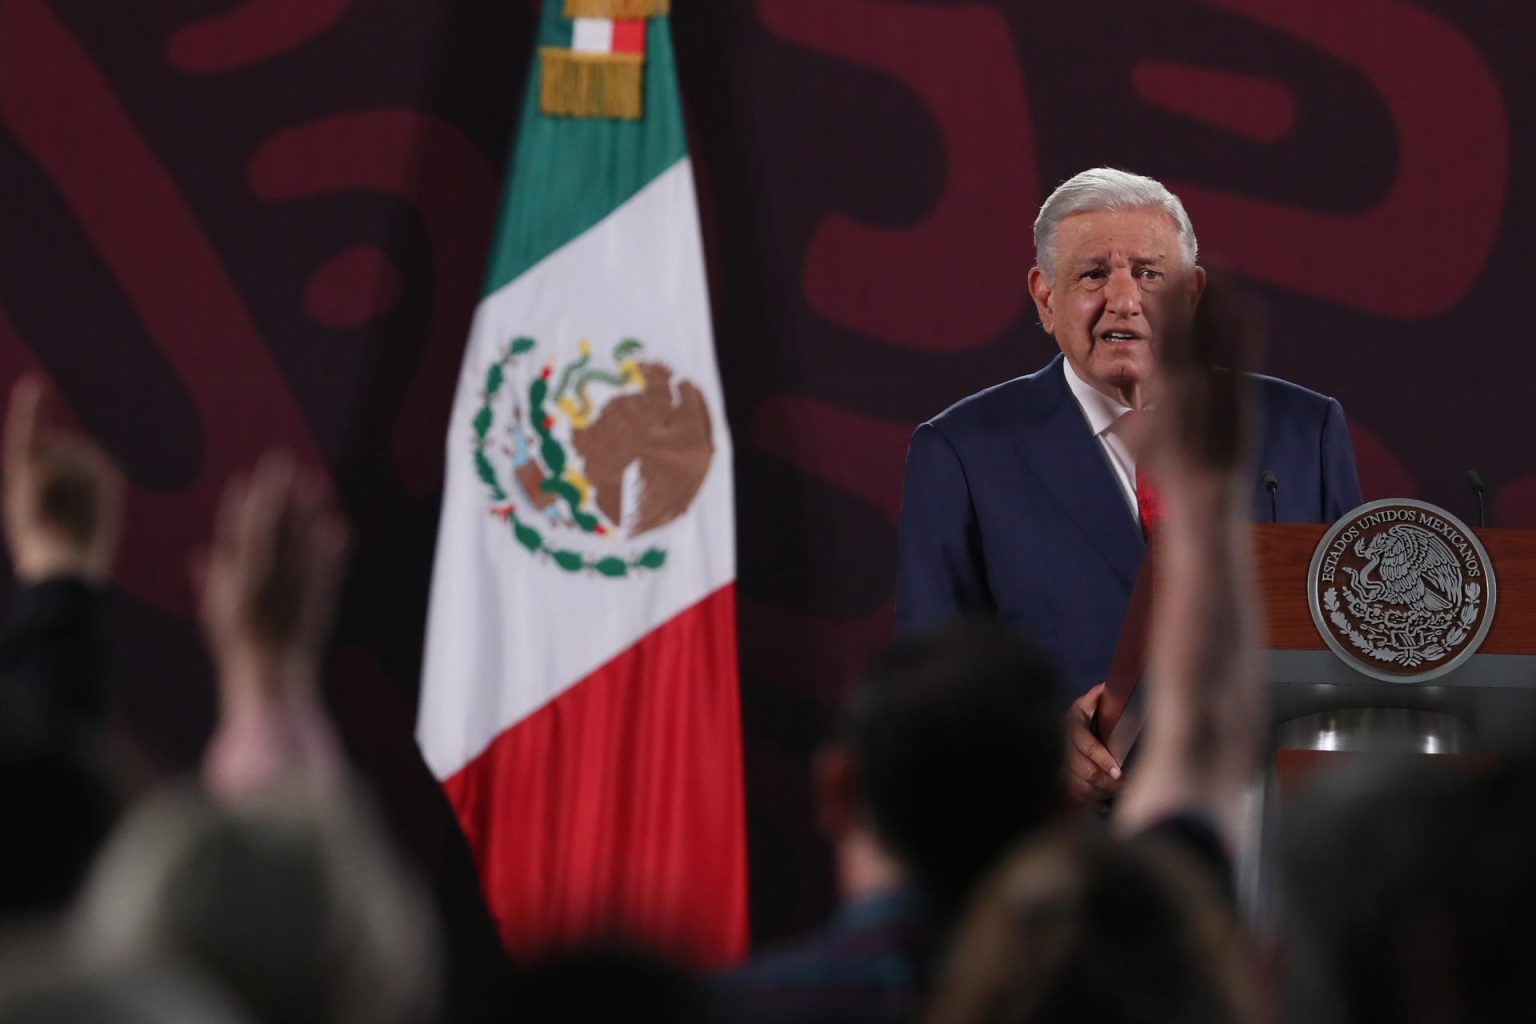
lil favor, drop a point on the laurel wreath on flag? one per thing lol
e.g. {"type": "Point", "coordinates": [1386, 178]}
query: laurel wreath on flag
{"type": "Point", "coordinates": [554, 456]}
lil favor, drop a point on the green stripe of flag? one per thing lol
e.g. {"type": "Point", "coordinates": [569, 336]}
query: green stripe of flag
{"type": "Point", "coordinates": [568, 173]}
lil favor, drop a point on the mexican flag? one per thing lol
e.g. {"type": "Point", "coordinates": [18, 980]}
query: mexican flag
{"type": "Point", "coordinates": [579, 693]}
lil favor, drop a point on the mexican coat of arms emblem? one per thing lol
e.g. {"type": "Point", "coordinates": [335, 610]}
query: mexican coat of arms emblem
{"type": "Point", "coordinates": [586, 459]}
{"type": "Point", "coordinates": [1402, 590]}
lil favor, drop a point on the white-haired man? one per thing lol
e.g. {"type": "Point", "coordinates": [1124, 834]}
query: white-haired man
{"type": "Point", "coordinates": [1023, 501]}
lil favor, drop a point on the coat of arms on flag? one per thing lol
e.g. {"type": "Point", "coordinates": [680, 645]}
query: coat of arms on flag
{"type": "Point", "coordinates": [605, 453]}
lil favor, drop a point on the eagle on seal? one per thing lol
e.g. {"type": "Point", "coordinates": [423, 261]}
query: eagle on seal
{"type": "Point", "coordinates": [1413, 568]}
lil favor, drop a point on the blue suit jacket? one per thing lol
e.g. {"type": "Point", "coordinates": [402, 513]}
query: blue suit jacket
{"type": "Point", "coordinates": [1010, 508]}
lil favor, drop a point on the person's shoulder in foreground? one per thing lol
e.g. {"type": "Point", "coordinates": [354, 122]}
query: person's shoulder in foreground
{"type": "Point", "coordinates": [870, 964]}
{"type": "Point", "coordinates": [946, 757]}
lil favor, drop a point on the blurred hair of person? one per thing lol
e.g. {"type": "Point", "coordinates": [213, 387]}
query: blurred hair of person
{"type": "Point", "coordinates": [62, 780]}
{"type": "Point", "coordinates": [1408, 891]}
{"type": "Point", "coordinates": [950, 754]}
{"type": "Point", "coordinates": [56, 993]}
{"type": "Point", "coordinates": [1087, 928]}
{"type": "Point", "coordinates": [267, 588]}
{"type": "Point", "coordinates": [944, 763]}
{"type": "Point", "coordinates": [291, 903]}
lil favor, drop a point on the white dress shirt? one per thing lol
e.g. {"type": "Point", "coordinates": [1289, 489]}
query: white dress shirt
{"type": "Point", "coordinates": [1102, 412]}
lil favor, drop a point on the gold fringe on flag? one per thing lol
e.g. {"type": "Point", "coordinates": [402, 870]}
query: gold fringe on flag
{"type": "Point", "coordinates": [591, 84]}
{"type": "Point", "coordinates": [616, 8]}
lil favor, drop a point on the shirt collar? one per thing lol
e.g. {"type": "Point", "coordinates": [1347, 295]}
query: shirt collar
{"type": "Point", "coordinates": [1100, 410]}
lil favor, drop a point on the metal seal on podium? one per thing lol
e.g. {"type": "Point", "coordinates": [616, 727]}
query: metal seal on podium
{"type": "Point", "coordinates": [1401, 590]}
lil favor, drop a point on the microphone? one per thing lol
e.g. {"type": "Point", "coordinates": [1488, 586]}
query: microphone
{"type": "Point", "coordinates": [1475, 481]}
{"type": "Point", "coordinates": [1272, 485]}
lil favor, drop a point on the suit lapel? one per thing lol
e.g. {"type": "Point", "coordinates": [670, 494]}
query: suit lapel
{"type": "Point", "coordinates": [1070, 465]}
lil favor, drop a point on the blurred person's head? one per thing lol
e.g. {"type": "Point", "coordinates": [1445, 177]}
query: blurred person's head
{"type": "Point", "coordinates": [60, 994]}
{"type": "Point", "coordinates": [1089, 928]}
{"type": "Point", "coordinates": [1408, 889]}
{"type": "Point", "coordinates": [601, 984]}
{"type": "Point", "coordinates": [949, 754]}
{"type": "Point", "coordinates": [294, 907]}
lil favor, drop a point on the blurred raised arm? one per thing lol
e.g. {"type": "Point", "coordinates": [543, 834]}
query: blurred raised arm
{"type": "Point", "coordinates": [1200, 746]}
{"type": "Point", "coordinates": [63, 497]}
{"type": "Point", "coordinates": [61, 518]}
{"type": "Point", "coordinates": [267, 589]}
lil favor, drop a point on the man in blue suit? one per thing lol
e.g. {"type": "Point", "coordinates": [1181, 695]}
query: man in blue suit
{"type": "Point", "coordinates": [1023, 502]}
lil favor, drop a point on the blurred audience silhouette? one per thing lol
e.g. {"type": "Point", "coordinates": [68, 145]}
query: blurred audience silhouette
{"type": "Point", "coordinates": [1409, 889]}
{"type": "Point", "coordinates": [61, 787]}
{"type": "Point", "coordinates": [288, 902]}
{"type": "Point", "coordinates": [950, 754]}
{"type": "Point", "coordinates": [1084, 927]}
{"type": "Point", "coordinates": [271, 884]}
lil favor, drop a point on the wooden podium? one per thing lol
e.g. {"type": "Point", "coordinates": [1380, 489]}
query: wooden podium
{"type": "Point", "coordinates": [1493, 692]}
{"type": "Point", "coordinates": [1323, 710]}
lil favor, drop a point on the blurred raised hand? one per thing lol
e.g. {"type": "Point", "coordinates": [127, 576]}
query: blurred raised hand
{"type": "Point", "coordinates": [1204, 421]}
{"type": "Point", "coordinates": [267, 584]}
{"type": "Point", "coordinates": [267, 588]}
{"type": "Point", "coordinates": [63, 497]}
{"type": "Point", "coordinates": [1199, 750]}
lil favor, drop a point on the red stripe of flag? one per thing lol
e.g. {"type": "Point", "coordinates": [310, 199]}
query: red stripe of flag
{"type": "Point", "coordinates": [616, 810]}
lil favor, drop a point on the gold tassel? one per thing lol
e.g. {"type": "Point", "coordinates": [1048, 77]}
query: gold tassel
{"type": "Point", "coordinates": [625, 9]}
{"type": "Point", "coordinates": [590, 84]}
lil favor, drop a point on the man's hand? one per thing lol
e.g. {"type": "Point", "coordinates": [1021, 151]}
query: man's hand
{"type": "Point", "coordinates": [267, 585]}
{"type": "Point", "coordinates": [1092, 775]}
{"type": "Point", "coordinates": [63, 497]}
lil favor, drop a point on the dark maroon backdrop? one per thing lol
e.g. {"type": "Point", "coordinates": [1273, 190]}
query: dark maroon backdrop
{"type": "Point", "coordinates": [233, 224]}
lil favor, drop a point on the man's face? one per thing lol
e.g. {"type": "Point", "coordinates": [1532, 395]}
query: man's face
{"type": "Point", "coordinates": [1120, 284]}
